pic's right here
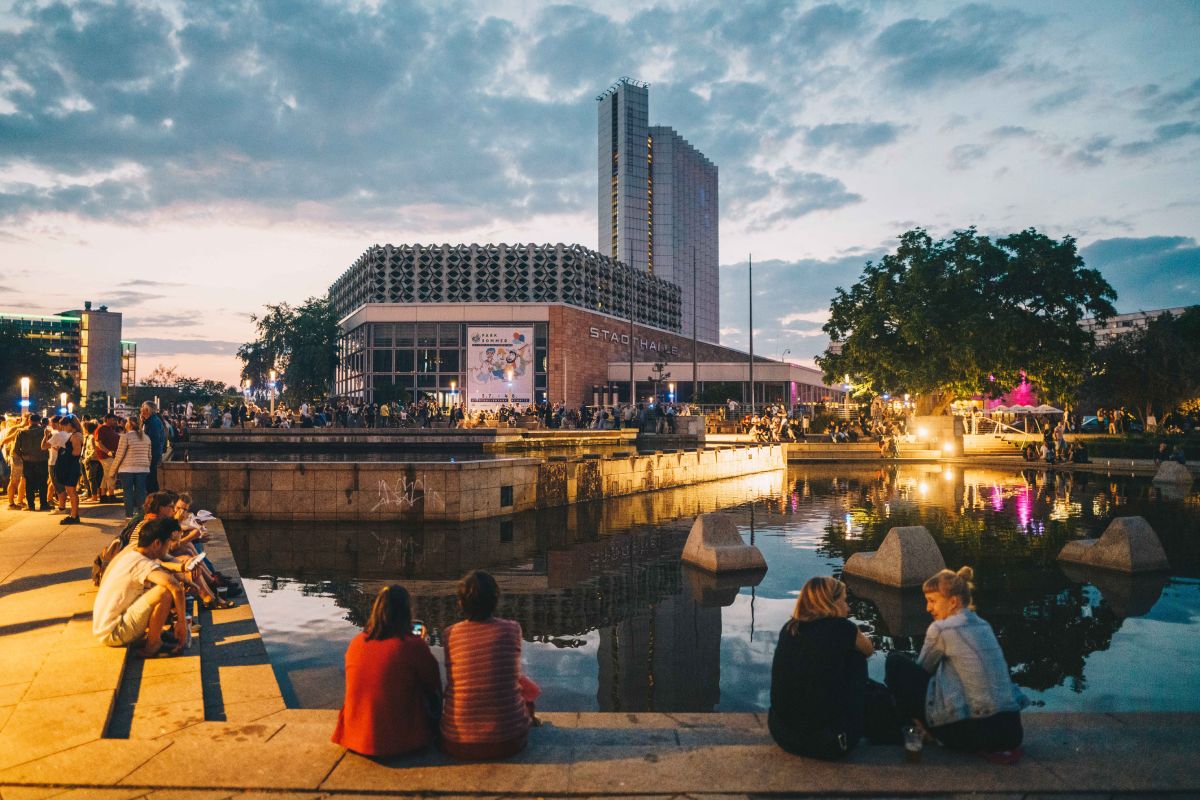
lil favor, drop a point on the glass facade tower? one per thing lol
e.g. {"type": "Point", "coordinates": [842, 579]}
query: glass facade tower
{"type": "Point", "coordinates": [657, 204]}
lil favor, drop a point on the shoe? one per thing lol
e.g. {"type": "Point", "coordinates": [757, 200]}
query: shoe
{"type": "Point", "coordinates": [69, 521]}
{"type": "Point", "coordinates": [217, 603]}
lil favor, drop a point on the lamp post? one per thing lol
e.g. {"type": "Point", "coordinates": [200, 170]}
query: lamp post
{"type": "Point", "coordinates": [453, 394]}
{"type": "Point", "coordinates": [508, 375]}
{"type": "Point", "coordinates": [70, 408]}
{"type": "Point", "coordinates": [671, 391]}
{"type": "Point", "coordinates": [783, 355]}
{"type": "Point", "coordinates": [62, 403]}
{"type": "Point", "coordinates": [272, 392]}
{"type": "Point", "coordinates": [24, 394]}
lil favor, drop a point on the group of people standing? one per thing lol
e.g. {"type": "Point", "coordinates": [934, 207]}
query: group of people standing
{"type": "Point", "coordinates": [56, 463]}
{"type": "Point", "coordinates": [957, 692]}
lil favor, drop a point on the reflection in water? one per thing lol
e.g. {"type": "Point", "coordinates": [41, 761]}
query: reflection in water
{"type": "Point", "coordinates": [614, 622]}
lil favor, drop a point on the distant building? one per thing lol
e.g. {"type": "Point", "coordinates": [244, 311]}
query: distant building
{"type": "Point", "coordinates": [658, 204]}
{"type": "Point", "coordinates": [1122, 324]}
{"type": "Point", "coordinates": [84, 344]}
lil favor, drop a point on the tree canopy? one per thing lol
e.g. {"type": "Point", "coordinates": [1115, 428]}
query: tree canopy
{"type": "Point", "coordinates": [1150, 371]}
{"type": "Point", "coordinates": [299, 343]}
{"type": "Point", "coordinates": [967, 315]}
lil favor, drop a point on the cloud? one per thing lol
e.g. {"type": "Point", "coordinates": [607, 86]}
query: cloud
{"type": "Point", "coordinates": [1163, 136]}
{"type": "Point", "coordinates": [1056, 101]}
{"type": "Point", "coordinates": [819, 317]}
{"type": "Point", "coordinates": [141, 282]}
{"type": "Point", "coordinates": [965, 156]}
{"type": "Point", "coordinates": [1148, 273]}
{"type": "Point", "coordinates": [1157, 103]}
{"type": "Point", "coordinates": [780, 287]}
{"type": "Point", "coordinates": [165, 321]}
{"type": "Point", "coordinates": [857, 138]}
{"type": "Point", "coordinates": [968, 43]}
{"type": "Point", "coordinates": [789, 195]}
{"type": "Point", "coordinates": [171, 347]}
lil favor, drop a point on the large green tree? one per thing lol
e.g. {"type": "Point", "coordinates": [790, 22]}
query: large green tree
{"type": "Point", "coordinates": [967, 315]}
{"type": "Point", "coordinates": [299, 343]}
{"type": "Point", "coordinates": [1151, 371]}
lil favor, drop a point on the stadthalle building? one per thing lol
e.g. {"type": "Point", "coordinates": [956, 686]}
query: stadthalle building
{"type": "Point", "coordinates": [520, 323]}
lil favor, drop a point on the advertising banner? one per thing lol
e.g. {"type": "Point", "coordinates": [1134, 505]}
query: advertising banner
{"type": "Point", "coordinates": [499, 367]}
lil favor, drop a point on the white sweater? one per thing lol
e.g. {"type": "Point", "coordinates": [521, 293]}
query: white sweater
{"type": "Point", "coordinates": [133, 453]}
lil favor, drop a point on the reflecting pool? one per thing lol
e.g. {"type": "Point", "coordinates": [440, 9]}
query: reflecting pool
{"type": "Point", "coordinates": [614, 622]}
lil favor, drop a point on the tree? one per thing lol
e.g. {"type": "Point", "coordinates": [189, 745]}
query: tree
{"type": "Point", "coordinates": [658, 376]}
{"type": "Point", "coordinates": [967, 315]}
{"type": "Point", "coordinates": [23, 357]}
{"type": "Point", "coordinates": [1152, 371]}
{"type": "Point", "coordinates": [299, 343]}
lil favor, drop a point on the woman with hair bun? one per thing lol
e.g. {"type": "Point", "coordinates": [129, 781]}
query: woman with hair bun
{"type": "Point", "coordinates": [392, 682]}
{"type": "Point", "coordinates": [959, 689]}
{"type": "Point", "coordinates": [819, 675]}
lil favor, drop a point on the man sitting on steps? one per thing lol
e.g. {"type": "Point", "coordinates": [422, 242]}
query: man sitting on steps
{"type": "Point", "coordinates": [136, 595]}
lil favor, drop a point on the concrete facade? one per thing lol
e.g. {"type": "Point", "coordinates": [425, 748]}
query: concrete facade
{"type": "Point", "coordinates": [445, 490]}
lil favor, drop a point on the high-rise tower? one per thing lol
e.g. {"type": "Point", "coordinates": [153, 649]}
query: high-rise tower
{"type": "Point", "coordinates": [658, 204]}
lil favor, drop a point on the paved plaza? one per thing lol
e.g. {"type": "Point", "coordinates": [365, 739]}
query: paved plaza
{"type": "Point", "coordinates": [83, 721]}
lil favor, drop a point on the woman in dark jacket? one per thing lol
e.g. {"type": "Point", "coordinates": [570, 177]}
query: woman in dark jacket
{"type": "Point", "coordinates": [819, 675]}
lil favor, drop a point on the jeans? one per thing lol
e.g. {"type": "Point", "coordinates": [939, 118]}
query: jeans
{"type": "Point", "coordinates": [134, 486]}
{"type": "Point", "coordinates": [152, 477]}
{"type": "Point", "coordinates": [36, 475]}
{"type": "Point", "coordinates": [909, 683]}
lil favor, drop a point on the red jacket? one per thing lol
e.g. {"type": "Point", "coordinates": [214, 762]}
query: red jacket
{"type": "Point", "coordinates": [387, 683]}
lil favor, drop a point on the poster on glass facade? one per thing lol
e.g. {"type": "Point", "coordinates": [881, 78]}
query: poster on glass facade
{"type": "Point", "coordinates": [499, 367]}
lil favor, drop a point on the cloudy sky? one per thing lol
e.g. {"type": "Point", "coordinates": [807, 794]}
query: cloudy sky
{"type": "Point", "coordinates": [188, 162]}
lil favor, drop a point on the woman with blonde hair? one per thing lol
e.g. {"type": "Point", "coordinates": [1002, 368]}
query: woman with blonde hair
{"type": "Point", "coordinates": [959, 689]}
{"type": "Point", "coordinates": [819, 675]}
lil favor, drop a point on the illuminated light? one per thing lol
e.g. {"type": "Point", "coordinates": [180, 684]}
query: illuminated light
{"type": "Point", "coordinates": [948, 474]}
{"type": "Point", "coordinates": [923, 488]}
{"type": "Point", "coordinates": [923, 432]}
{"type": "Point", "coordinates": [947, 447]}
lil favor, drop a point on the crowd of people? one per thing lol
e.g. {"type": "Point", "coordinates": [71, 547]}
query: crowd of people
{"type": "Point", "coordinates": [957, 692]}
{"type": "Point", "coordinates": [58, 463]}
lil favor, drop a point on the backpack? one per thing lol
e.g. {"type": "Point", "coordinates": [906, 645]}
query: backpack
{"type": "Point", "coordinates": [119, 543]}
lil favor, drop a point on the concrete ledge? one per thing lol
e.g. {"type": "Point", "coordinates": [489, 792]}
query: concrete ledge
{"type": "Point", "coordinates": [907, 557]}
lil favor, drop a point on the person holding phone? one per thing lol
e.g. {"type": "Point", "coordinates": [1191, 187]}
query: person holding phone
{"type": "Point", "coordinates": [392, 682]}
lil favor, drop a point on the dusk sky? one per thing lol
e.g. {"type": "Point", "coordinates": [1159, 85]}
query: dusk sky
{"type": "Point", "coordinates": [186, 163]}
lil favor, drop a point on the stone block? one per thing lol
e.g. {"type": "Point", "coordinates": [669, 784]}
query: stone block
{"type": "Point", "coordinates": [1173, 472]}
{"type": "Point", "coordinates": [907, 557]}
{"type": "Point", "coordinates": [1128, 544]}
{"type": "Point", "coordinates": [715, 545]}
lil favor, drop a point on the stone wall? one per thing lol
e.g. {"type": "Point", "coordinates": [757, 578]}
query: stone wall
{"type": "Point", "coordinates": [438, 491]}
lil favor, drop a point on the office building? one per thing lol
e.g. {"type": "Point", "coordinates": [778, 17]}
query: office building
{"type": "Point", "coordinates": [657, 202]}
{"type": "Point", "coordinates": [85, 345]}
{"type": "Point", "coordinates": [1122, 324]}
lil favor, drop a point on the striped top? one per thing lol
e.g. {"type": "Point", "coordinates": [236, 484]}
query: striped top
{"type": "Point", "coordinates": [133, 453]}
{"type": "Point", "coordinates": [483, 699]}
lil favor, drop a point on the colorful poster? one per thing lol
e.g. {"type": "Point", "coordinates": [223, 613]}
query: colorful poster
{"type": "Point", "coordinates": [499, 367]}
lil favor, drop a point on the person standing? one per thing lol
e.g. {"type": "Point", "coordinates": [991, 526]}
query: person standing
{"type": "Point", "coordinates": [153, 426]}
{"type": "Point", "coordinates": [67, 467]}
{"type": "Point", "coordinates": [36, 463]}
{"type": "Point", "coordinates": [132, 463]}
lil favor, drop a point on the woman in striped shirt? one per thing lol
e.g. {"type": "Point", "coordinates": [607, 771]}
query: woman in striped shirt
{"type": "Point", "coordinates": [488, 703]}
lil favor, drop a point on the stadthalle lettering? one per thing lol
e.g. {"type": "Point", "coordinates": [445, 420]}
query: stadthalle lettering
{"type": "Point", "coordinates": [623, 338]}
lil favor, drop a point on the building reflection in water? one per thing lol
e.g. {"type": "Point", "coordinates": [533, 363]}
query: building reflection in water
{"type": "Point", "coordinates": [602, 582]}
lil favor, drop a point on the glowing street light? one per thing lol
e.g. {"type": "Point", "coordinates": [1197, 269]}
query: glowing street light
{"type": "Point", "coordinates": [508, 374]}
{"type": "Point", "coordinates": [272, 392]}
{"type": "Point", "coordinates": [70, 408]}
{"type": "Point", "coordinates": [671, 391]}
{"type": "Point", "coordinates": [25, 394]}
{"type": "Point", "coordinates": [62, 403]}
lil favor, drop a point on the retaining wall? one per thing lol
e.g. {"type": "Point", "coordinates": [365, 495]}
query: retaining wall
{"type": "Point", "coordinates": [448, 491]}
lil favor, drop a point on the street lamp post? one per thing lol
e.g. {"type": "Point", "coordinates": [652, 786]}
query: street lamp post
{"type": "Point", "coordinates": [24, 394]}
{"type": "Point", "coordinates": [62, 402]}
{"type": "Point", "coordinates": [453, 394]}
{"type": "Point", "coordinates": [508, 374]}
{"type": "Point", "coordinates": [783, 355]}
{"type": "Point", "coordinates": [671, 391]}
{"type": "Point", "coordinates": [272, 392]}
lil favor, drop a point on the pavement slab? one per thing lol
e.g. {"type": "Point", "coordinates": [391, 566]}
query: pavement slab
{"type": "Point", "coordinates": [234, 765]}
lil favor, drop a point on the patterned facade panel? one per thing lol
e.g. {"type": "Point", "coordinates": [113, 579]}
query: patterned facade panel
{"type": "Point", "coordinates": [490, 273]}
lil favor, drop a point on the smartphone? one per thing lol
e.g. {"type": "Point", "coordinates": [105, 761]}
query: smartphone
{"type": "Point", "coordinates": [418, 629]}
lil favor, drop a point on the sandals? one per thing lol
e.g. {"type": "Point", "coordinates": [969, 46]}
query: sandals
{"type": "Point", "coordinates": [217, 603]}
